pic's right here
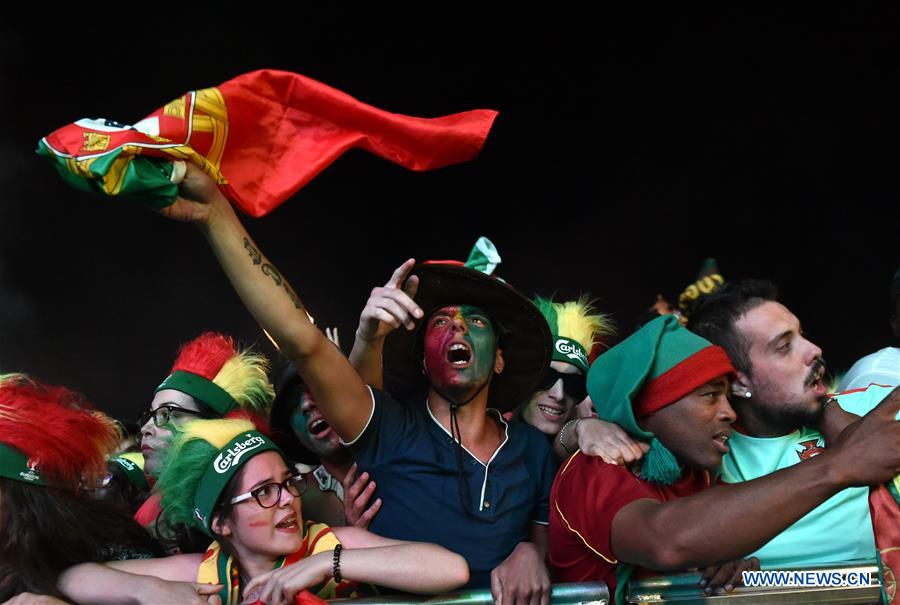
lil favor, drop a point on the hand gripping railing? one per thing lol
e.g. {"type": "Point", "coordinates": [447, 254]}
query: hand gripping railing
{"type": "Point", "coordinates": [683, 588]}
{"type": "Point", "coordinates": [581, 593]}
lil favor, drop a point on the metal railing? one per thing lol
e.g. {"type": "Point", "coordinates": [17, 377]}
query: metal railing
{"type": "Point", "coordinates": [581, 593]}
{"type": "Point", "coordinates": [683, 589]}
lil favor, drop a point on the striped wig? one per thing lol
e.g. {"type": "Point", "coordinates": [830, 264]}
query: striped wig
{"type": "Point", "coordinates": [576, 327]}
{"type": "Point", "coordinates": [50, 435]}
{"type": "Point", "coordinates": [215, 372]}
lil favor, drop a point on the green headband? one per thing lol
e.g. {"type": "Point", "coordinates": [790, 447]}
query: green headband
{"type": "Point", "coordinates": [227, 462]}
{"type": "Point", "coordinates": [134, 473]}
{"type": "Point", "coordinates": [201, 389]}
{"type": "Point", "coordinates": [15, 465]}
{"type": "Point", "coordinates": [569, 351]}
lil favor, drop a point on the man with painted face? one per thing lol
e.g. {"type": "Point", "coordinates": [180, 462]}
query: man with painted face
{"type": "Point", "coordinates": [459, 475]}
{"type": "Point", "coordinates": [307, 439]}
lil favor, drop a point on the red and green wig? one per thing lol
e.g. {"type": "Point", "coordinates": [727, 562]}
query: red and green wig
{"type": "Point", "coordinates": [51, 436]}
{"type": "Point", "coordinates": [212, 370]}
{"type": "Point", "coordinates": [201, 459]}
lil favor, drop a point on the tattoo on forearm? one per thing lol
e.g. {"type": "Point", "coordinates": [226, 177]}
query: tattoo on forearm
{"type": "Point", "coordinates": [293, 295]}
{"type": "Point", "coordinates": [270, 270]}
{"type": "Point", "coordinates": [253, 252]}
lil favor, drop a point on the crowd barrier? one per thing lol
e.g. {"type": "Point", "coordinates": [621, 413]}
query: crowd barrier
{"type": "Point", "coordinates": [683, 589]}
{"type": "Point", "coordinates": [581, 593]}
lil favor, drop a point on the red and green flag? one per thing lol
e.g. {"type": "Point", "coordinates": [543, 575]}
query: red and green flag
{"type": "Point", "coordinates": [261, 136]}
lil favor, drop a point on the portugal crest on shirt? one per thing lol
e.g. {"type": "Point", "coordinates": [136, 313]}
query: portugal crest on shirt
{"type": "Point", "coordinates": [810, 448]}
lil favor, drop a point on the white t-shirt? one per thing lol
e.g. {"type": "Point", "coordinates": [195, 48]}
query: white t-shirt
{"type": "Point", "coordinates": [881, 367]}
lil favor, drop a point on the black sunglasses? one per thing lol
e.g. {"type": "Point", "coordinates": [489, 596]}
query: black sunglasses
{"type": "Point", "coordinates": [574, 385]}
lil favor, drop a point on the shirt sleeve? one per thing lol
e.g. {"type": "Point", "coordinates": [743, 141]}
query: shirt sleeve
{"type": "Point", "coordinates": [589, 495]}
{"type": "Point", "coordinates": [546, 472]}
{"type": "Point", "coordinates": [862, 401]}
{"type": "Point", "coordinates": [391, 427]}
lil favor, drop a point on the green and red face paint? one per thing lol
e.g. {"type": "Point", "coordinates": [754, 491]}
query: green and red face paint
{"type": "Point", "coordinates": [460, 346]}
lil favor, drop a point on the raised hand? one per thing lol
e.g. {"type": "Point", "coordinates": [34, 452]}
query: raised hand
{"type": "Point", "coordinates": [198, 198]}
{"type": "Point", "coordinates": [868, 451]}
{"type": "Point", "coordinates": [390, 306]}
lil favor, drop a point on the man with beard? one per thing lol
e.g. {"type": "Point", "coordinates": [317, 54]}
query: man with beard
{"type": "Point", "coordinates": [784, 416]}
{"type": "Point", "coordinates": [781, 403]}
{"type": "Point", "coordinates": [668, 386]}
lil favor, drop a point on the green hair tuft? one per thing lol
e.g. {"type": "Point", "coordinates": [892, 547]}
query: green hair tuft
{"type": "Point", "coordinates": [192, 448]}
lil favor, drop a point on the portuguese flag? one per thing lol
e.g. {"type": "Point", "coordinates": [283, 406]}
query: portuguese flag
{"type": "Point", "coordinates": [261, 136]}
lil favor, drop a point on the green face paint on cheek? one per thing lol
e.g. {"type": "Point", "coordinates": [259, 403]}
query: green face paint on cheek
{"type": "Point", "coordinates": [298, 423]}
{"type": "Point", "coordinates": [459, 325]}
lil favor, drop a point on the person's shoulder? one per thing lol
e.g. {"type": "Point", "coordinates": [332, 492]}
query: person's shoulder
{"type": "Point", "coordinates": [385, 399]}
{"type": "Point", "coordinates": [533, 441]}
{"type": "Point", "coordinates": [862, 400]}
{"type": "Point", "coordinates": [580, 467]}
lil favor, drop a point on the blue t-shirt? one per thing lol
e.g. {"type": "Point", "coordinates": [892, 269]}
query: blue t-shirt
{"type": "Point", "coordinates": [415, 464]}
{"type": "Point", "coordinates": [839, 529]}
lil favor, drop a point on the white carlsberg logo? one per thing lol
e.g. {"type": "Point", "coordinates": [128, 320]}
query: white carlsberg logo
{"type": "Point", "coordinates": [31, 474]}
{"type": "Point", "coordinates": [570, 350]}
{"type": "Point", "coordinates": [230, 457]}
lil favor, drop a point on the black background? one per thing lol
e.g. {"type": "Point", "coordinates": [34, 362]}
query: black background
{"type": "Point", "coordinates": [631, 145]}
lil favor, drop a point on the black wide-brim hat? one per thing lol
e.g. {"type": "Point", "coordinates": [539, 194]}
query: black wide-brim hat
{"type": "Point", "coordinates": [524, 334]}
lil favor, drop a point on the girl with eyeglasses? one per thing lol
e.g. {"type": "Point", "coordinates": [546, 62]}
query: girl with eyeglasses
{"type": "Point", "coordinates": [211, 378]}
{"type": "Point", "coordinates": [232, 482]}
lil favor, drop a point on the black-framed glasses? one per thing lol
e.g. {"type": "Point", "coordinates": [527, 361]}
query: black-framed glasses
{"type": "Point", "coordinates": [269, 495]}
{"type": "Point", "coordinates": [574, 385]}
{"type": "Point", "coordinates": [163, 414]}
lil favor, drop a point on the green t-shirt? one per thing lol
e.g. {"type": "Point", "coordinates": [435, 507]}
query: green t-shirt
{"type": "Point", "coordinates": [839, 529]}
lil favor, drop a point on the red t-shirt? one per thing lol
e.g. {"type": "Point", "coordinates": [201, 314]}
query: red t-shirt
{"type": "Point", "coordinates": [586, 496]}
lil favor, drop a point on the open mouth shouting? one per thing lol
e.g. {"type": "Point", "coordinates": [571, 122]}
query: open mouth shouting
{"type": "Point", "coordinates": [317, 427]}
{"type": "Point", "coordinates": [288, 523]}
{"type": "Point", "coordinates": [459, 355]}
{"type": "Point", "coordinates": [815, 381]}
{"type": "Point", "coordinates": [721, 440]}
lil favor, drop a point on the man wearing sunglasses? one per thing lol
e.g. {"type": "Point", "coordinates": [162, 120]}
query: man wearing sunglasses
{"type": "Point", "coordinates": [576, 327]}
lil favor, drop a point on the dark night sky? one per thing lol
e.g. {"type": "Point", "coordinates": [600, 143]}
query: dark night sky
{"type": "Point", "coordinates": [629, 148]}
